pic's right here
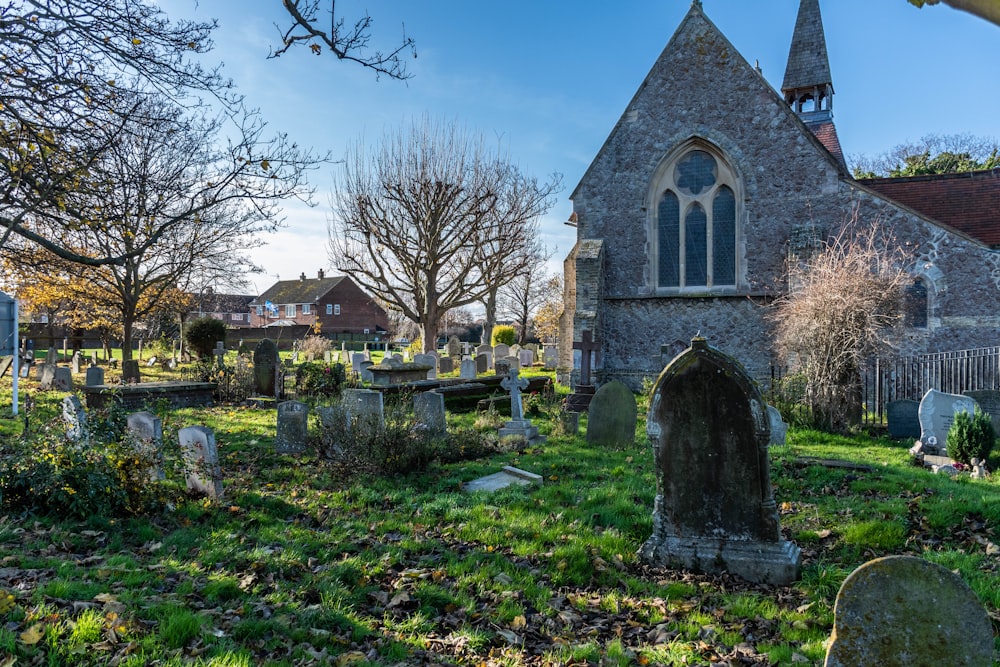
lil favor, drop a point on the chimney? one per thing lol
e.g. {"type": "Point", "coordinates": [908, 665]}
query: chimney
{"type": "Point", "coordinates": [303, 276]}
{"type": "Point", "coordinates": [319, 274]}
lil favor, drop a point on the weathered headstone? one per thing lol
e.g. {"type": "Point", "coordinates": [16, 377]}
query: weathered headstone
{"type": "Point", "coordinates": [220, 354]}
{"type": "Point", "coordinates": [46, 375]}
{"type": "Point", "coordinates": [526, 358]}
{"type": "Point", "coordinates": [428, 360]}
{"type": "Point", "coordinates": [5, 364]}
{"type": "Point", "coordinates": [904, 611]}
{"type": "Point", "coordinates": [714, 511]}
{"type": "Point", "coordinates": [454, 347]}
{"type": "Point", "coordinates": [366, 373]}
{"type": "Point", "coordinates": [265, 367]}
{"type": "Point", "coordinates": [484, 349]}
{"type": "Point", "coordinates": [428, 410]}
{"type": "Point", "coordinates": [446, 365]}
{"type": "Point", "coordinates": [363, 406]}
{"type": "Point", "coordinates": [612, 416]}
{"type": "Point", "coordinates": [293, 428]}
{"type": "Point", "coordinates": [146, 430]}
{"type": "Point", "coordinates": [936, 413]}
{"type": "Point", "coordinates": [570, 422]}
{"type": "Point", "coordinates": [356, 360]}
{"type": "Point", "coordinates": [501, 350]}
{"type": "Point", "coordinates": [550, 358]}
{"type": "Point", "coordinates": [75, 362]}
{"type": "Point", "coordinates": [467, 370]}
{"type": "Point", "coordinates": [52, 356]}
{"type": "Point", "coordinates": [518, 426]}
{"type": "Point", "coordinates": [130, 371]}
{"type": "Point", "coordinates": [327, 356]}
{"type": "Point", "coordinates": [482, 363]}
{"type": "Point", "coordinates": [201, 460]}
{"type": "Point", "coordinates": [75, 418]}
{"type": "Point", "coordinates": [62, 379]}
{"type": "Point", "coordinates": [152, 361]}
{"type": "Point", "coordinates": [779, 429]}
{"type": "Point", "coordinates": [989, 402]}
{"type": "Point", "coordinates": [903, 419]}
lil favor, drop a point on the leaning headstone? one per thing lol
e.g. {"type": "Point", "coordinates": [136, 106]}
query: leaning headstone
{"type": "Point", "coordinates": [46, 375]}
{"type": "Point", "coordinates": [714, 509]}
{"type": "Point", "coordinates": [94, 377]}
{"type": "Point", "coordinates": [936, 413]}
{"type": "Point", "coordinates": [428, 360]}
{"type": "Point", "coordinates": [612, 417]}
{"type": "Point", "coordinates": [428, 410]}
{"type": "Point", "coordinates": [52, 356]}
{"type": "Point", "coordinates": [467, 370]}
{"type": "Point", "coordinates": [903, 419]}
{"type": "Point", "coordinates": [201, 460]}
{"type": "Point", "coordinates": [130, 371]}
{"type": "Point", "coordinates": [293, 428]}
{"type": "Point", "coordinates": [446, 365]}
{"type": "Point", "coordinates": [146, 430]}
{"type": "Point", "coordinates": [75, 362]}
{"type": "Point", "coordinates": [904, 611]}
{"type": "Point", "coordinates": [989, 402]}
{"type": "Point", "coordinates": [75, 418]}
{"type": "Point", "coordinates": [482, 363]}
{"type": "Point", "coordinates": [779, 429]}
{"type": "Point", "coordinates": [265, 367]}
{"type": "Point", "coordinates": [62, 379]}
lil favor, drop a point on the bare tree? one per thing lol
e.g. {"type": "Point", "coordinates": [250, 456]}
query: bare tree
{"type": "Point", "coordinates": [346, 41]}
{"type": "Point", "coordinates": [411, 219]}
{"type": "Point", "coordinates": [524, 293]}
{"type": "Point", "coordinates": [932, 154]}
{"type": "Point", "coordinates": [169, 204]}
{"type": "Point", "coordinates": [76, 76]}
{"type": "Point", "coordinates": [840, 303]}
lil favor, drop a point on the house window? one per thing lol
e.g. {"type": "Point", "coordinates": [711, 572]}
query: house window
{"type": "Point", "coordinates": [915, 304]}
{"type": "Point", "coordinates": [290, 310]}
{"type": "Point", "coordinates": [329, 309]}
{"type": "Point", "coordinates": [306, 309]}
{"type": "Point", "coordinates": [336, 309]}
{"type": "Point", "coordinates": [237, 317]}
{"type": "Point", "coordinates": [694, 224]}
{"type": "Point", "coordinates": [260, 311]}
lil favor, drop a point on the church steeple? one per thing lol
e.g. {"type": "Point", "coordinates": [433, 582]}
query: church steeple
{"type": "Point", "coordinates": [808, 86]}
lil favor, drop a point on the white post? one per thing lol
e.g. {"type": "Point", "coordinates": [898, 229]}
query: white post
{"type": "Point", "coordinates": [17, 359]}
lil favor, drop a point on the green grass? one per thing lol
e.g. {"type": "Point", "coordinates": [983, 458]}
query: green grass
{"type": "Point", "coordinates": [302, 564]}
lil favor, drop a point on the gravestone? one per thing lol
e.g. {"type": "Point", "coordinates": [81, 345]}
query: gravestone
{"type": "Point", "coordinates": [75, 418]}
{"type": "Point", "coordinates": [75, 362]}
{"type": "Point", "coordinates": [201, 460]}
{"type": "Point", "coordinates": [518, 426]}
{"type": "Point", "coordinates": [363, 406]}
{"type": "Point", "coordinates": [570, 422]}
{"type": "Point", "coordinates": [482, 363]}
{"type": "Point", "coordinates": [130, 371]}
{"type": "Point", "coordinates": [501, 367]}
{"type": "Point", "coordinates": [220, 354]}
{"type": "Point", "coordinates": [484, 349]}
{"type": "Point", "coordinates": [501, 350]}
{"type": "Point", "coordinates": [583, 392]}
{"type": "Point", "coordinates": [52, 356]}
{"type": "Point", "coordinates": [904, 611]}
{"type": "Point", "coordinates": [779, 429]}
{"type": "Point", "coordinates": [428, 360]}
{"type": "Point", "coordinates": [446, 365]}
{"type": "Point", "coordinates": [903, 419]}
{"type": "Point", "coordinates": [5, 365]}
{"type": "Point", "coordinates": [428, 410]}
{"type": "Point", "coordinates": [146, 430]}
{"type": "Point", "coordinates": [293, 428]}
{"type": "Point", "coordinates": [989, 402]}
{"type": "Point", "coordinates": [936, 413]}
{"type": "Point", "coordinates": [265, 367]}
{"type": "Point", "coordinates": [62, 379]}
{"type": "Point", "coordinates": [526, 358]}
{"type": "Point", "coordinates": [366, 372]}
{"type": "Point", "coordinates": [714, 511]}
{"type": "Point", "coordinates": [397, 357]}
{"type": "Point", "coordinates": [152, 361]}
{"type": "Point", "coordinates": [357, 358]}
{"type": "Point", "coordinates": [533, 347]}
{"type": "Point", "coordinates": [508, 476]}
{"type": "Point", "coordinates": [454, 347]}
{"type": "Point", "coordinates": [93, 358]}
{"type": "Point", "coordinates": [46, 375]}
{"type": "Point", "coordinates": [550, 358]}
{"type": "Point", "coordinates": [612, 416]}
{"type": "Point", "coordinates": [467, 370]}
{"type": "Point", "coordinates": [327, 357]}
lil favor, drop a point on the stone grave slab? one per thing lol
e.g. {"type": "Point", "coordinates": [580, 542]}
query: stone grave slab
{"type": "Point", "coordinates": [293, 428]}
{"type": "Point", "coordinates": [904, 611]}
{"type": "Point", "coordinates": [902, 418]}
{"type": "Point", "coordinates": [201, 460]}
{"type": "Point", "coordinates": [936, 413]}
{"type": "Point", "coordinates": [612, 416]}
{"type": "Point", "coordinates": [508, 476]}
{"type": "Point", "coordinates": [714, 509]}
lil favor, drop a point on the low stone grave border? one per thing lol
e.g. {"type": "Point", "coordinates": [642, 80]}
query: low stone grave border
{"type": "Point", "coordinates": [178, 394]}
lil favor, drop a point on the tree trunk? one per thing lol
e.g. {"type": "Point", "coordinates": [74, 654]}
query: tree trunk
{"type": "Point", "coordinates": [490, 302]}
{"type": "Point", "coordinates": [127, 326]}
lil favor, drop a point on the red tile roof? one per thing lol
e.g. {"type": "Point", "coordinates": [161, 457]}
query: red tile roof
{"type": "Point", "coordinates": [826, 132]}
{"type": "Point", "coordinates": [968, 202]}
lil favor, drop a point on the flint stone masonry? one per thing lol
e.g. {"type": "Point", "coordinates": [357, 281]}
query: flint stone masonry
{"type": "Point", "coordinates": [903, 611]}
{"type": "Point", "coordinates": [714, 511]}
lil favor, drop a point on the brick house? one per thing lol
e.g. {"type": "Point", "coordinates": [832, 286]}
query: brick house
{"type": "Point", "coordinates": [337, 303]}
{"type": "Point", "coordinates": [711, 178]}
{"type": "Point", "coordinates": [232, 309]}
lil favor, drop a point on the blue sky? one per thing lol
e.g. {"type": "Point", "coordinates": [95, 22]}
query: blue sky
{"type": "Point", "coordinates": [550, 79]}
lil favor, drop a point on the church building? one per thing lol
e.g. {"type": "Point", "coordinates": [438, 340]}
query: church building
{"type": "Point", "coordinates": [711, 179]}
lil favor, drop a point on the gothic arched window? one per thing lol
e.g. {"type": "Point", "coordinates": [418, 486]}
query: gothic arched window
{"type": "Point", "coordinates": [696, 223]}
{"type": "Point", "coordinates": [915, 304]}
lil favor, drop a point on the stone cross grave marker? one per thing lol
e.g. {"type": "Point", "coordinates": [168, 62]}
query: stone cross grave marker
{"type": "Point", "coordinates": [293, 428]}
{"type": "Point", "coordinates": [904, 611]}
{"type": "Point", "coordinates": [714, 509]}
{"type": "Point", "coordinates": [75, 418]}
{"type": "Point", "coordinates": [587, 347]}
{"type": "Point", "coordinates": [428, 409]}
{"type": "Point", "coordinates": [612, 416]}
{"type": "Point", "coordinates": [201, 460]}
{"type": "Point", "coordinates": [146, 430]}
{"type": "Point", "coordinates": [936, 413]}
{"type": "Point", "coordinates": [518, 426]}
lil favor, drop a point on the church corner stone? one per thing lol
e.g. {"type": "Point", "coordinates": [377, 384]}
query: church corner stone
{"type": "Point", "coordinates": [714, 511]}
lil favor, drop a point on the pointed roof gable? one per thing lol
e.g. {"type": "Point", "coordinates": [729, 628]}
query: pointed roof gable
{"type": "Point", "coordinates": [308, 290]}
{"type": "Point", "coordinates": [808, 64]}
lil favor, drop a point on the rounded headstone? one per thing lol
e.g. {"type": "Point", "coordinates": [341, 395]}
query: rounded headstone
{"type": "Point", "coordinates": [612, 416]}
{"type": "Point", "coordinates": [903, 611]}
{"type": "Point", "coordinates": [265, 366]}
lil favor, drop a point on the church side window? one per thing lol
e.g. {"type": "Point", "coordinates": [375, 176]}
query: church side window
{"type": "Point", "coordinates": [696, 230]}
{"type": "Point", "coordinates": [915, 304]}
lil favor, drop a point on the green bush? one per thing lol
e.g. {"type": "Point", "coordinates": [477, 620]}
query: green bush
{"type": "Point", "coordinates": [320, 379]}
{"type": "Point", "coordinates": [202, 334]}
{"type": "Point", "coordinates": [971, 436]}
{"type": "Point", "coordinates": [503, 333]}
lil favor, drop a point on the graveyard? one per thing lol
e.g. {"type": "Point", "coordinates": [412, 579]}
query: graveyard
{"type": "Point", "coordinates": [279, 552]}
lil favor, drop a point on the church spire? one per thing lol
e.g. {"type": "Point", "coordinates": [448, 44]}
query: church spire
{"type": "Point", "coordinates": [808, 86]}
